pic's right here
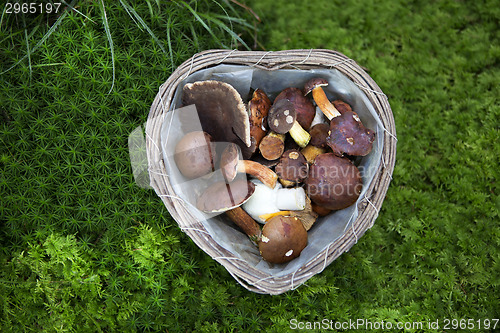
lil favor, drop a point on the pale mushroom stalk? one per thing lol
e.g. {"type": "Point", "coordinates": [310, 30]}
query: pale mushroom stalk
{"type": "Point", "coordinates": [314, 86]}
{"type": "Point", "coordinates": [299, 134]}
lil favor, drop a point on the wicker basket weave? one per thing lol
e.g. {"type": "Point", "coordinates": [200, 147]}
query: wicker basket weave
{"type": "Point", "coordinates": [248, 276]}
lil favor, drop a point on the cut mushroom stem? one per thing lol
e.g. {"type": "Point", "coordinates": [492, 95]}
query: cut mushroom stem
{"type": "Point", "coordinates": [315, 86]}
{"type": "Point", "coordinates": [246, 223]}
{"type": "Point", "coordinates": [311, 152]}
{"type": "Point", "coordinates": [267, 176]}
{"type": "Point", "coordinates": [299, 134]}
{"type": "Point", "coordinates": [272, 146]}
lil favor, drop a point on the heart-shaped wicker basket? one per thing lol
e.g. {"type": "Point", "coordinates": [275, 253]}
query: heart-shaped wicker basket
{"type": "Point", "coordinates": [247, 275]}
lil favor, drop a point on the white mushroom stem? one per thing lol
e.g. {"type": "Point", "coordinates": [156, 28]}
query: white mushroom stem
{"type": "Point", "coordinates": [324, 104]}
{"type": "Point", "coordinates": [267, 201]}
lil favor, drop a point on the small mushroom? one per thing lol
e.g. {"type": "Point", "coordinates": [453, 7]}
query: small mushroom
{"type": "Point", "coordinates": [283, 239]}
{"type": "Point", "coordinates": [292, 168]}
{"type": "Point", "coordinates": [319, 133]}
{"type": "Point", "coordinates": [315, 86]}
{"type": "Point", "coordinates": [303, 106]}
{"type": "Point", "coordinates": [282, 119]}
{"type": "Point", "coordinates": [231, 164]}
{"type": "Point", "coordinates": [221, 196]}
{"type": "Point", "coordinates": [334, 182]}
{"type": "Point", "coordinates": [258, 108]}
{"type": "Point", "coordinates": [272, 146]}
{"type": "Point", "coordinates": [195, 154]}
{"type": "Point", "coordinates": [348, 135]}
{"type": "Point", "coordinates": [221, 111]}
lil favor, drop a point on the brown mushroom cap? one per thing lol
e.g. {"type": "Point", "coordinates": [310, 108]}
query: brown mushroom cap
{"type": "Point", "coordinates": [221, 196]}
{"type": "Point", "coordinates": [341, 106]}
{"type": "Point", "coordinates": [303, 106]}
{"type": "Point", "coordinates": [195, 154]}
{"type": "Point", "coordinates": [314, 83]}
{"type": "Point", "coordinates": [334, 182]}
{"type": "Point", "coordinates": [319, 133]}
{"type": "Point", "coordinates": [281, 116]}
{"type": "Point", "coordinates": [293, 166]}
{"type": "Point", "coordinates": [348, 135]}
{"type": "Point", "coordinates": [283, 239]}
{"type": "Point", "coordinates": [221, 110]}
{"type": "Point", "coordinates": [229, 162]}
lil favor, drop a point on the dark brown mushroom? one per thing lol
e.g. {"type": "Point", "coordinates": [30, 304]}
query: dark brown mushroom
{"type": "Point", "coordinates": [282, 119]}
{"type": "Point", "coordinates": [319, 133]}
{"type": "Point", "coordinates": [272, 146]}
{"type": "Point", "coordinates": [221, 196]}
{"type": "Point", "coordinates": [348, 135]}
{"type": "Point", "coordinates": [334, 182]}
{"type": "Point", "coordinates": [195, 154]}
{"type": "Point", "coordinates": [231, 164]}
{"type": "Point", "coordinates": [315, 86]}
{"type": "Point", "coordinates": [292, 168]}
{"type": "Point", "coordinates": [283, 239]}
{"type": "Point", "coordinates": [221, 111]}
{"type": "Point", "coordinates": [303, 106]}
{"type": "Point", "coordinates": [258, 108]}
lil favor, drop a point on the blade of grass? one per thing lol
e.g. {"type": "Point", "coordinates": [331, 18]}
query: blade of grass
{"type": "Point", "coordinates": [110, 40]}
{"type": "Point", "coordinates": [199, 19]}
{"type": "Point", "coordinates": [42, 40]}
{"type": "Point", "coordinates": [141, 21]}
{"type": "Point", "coordinates": [76, 10]}
{"type": "Point", "coordinates": [226, 28]}
{"type": "Point", "coordinates": [169, 23]}
{"type": "Point", "coordinates": [27, 48]}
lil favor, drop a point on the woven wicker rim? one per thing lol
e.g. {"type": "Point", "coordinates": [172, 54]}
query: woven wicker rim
{"type": "Point", "coordinates": [248, 276]}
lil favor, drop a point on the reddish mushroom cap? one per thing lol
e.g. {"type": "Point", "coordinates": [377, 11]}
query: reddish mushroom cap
{"type": "Point", "coordinates": [314, 83]}
{"type": "Point", "coordinates": [334, 182]}
{"type": "Point", "coordinates": [348, 135]}
{"type": "Point", "coordinates": [304, 108]}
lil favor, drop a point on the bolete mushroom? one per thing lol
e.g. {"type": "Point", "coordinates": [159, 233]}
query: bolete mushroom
{"type": "Point", "coordinates": [292, 168]}
{"type": "Point", "coordinates": [195, 154]}
{"type": "Point", "coordinates": [303, 106]}
{"type": "Point", "coordinates": [334, 182]}
{"type": "Point", "coordinates": [348, 135]}
{"type": "Point", "coordinates": [283, 239]}
{"type": "Point", "coordinates": [317, 145]}
{"type": "Point", "coordinates": [282, 119]}
{"type": "Point", "coordinates": [315, 86]}
{"type": "Point", "coordinates": [258, 108]}
{"type": "Point", "coordinates": [246, 223]}
{"type": "Point", "coordinates": [221, 196]}
{"type": "Point", "coordinates": [231, 164]}
{"type": "Point", "coordinates": [221, 111]}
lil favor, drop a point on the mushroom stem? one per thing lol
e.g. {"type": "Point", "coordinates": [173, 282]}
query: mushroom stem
{"type": "Point", "coordinates": [272, 146]}
{"type": "Point", "coordinates": [299, 135]}
{"type": "Point", "coordinates": [267, 176]}
{"type": "Point", "coordinates": [311, 152]}
{"type": "Point", "coordinates": [246, 223]}
{"type": "Point", "coordinates": [324, 104]}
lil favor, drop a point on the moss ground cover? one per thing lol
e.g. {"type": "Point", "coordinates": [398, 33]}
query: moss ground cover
{"type": "Point", "coordinates": [84, 249]}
